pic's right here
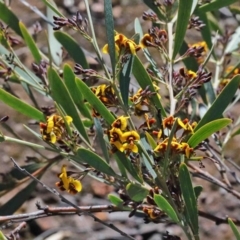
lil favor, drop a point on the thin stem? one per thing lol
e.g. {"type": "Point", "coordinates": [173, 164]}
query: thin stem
{"type": "Point", "coordinates": [63, 199]}
{"type": "Point", "coordinates": [170, 69]}
{"type": "Point", "coordinates": [94, 40]}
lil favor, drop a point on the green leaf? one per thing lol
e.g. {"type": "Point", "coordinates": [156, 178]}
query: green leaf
{"type": "Point", "coordinates": [215, 5]}
{"type": "Point", "coordinates": [2, 237]}
{"type": "Point", "coordinates": [7, 16]}
{"type": "Point", "coordinates": [206, 31]}
{"type": "Point", "coordinates": [144, 81]}
{"type": "Point", "coordinates": [189, 197]}
{"type": "Point", "coordinates": [221, 102]}
{"type": "Point", "coordinates": [197, 191]}
{"type": "Point", "coordinates": [61, 95]}
{"type": "Point", "coordinates": [115, 200]}
{"type": "Point", "coordinates": [26, 75]}
{"type": "Point", "coordinates": [21, 106]}
{"type": "Point", "coordinates": [16, 201]}
{"type": "Point", "coordinates": [87, 156]}
{"type": "Point", "coordinates": [124, 79]}
{"type": "Point", "coordinates": [164, 205]}
{"type": "Point", "coordinates": [100, 140]}
{"type": "Point", "coordinates": [55, 48]}
{"type": "Point", "coordinates": [72, 47]}
{"type": "Point", "coordinates": [121, 166]}
{"type": "Point", "coordinates": [109, 24]}
{"type": "Point", "coordinates": [234, 229]}
{"type": "Point", "coordinates": [233, 44]}
{"type": "Point", "coordinates": [184, 12]}
{"type": "Point", "coordinates": [207, 130]}
{"type": "Point", "coordinates": [53, 7]}
{"type": "Point", "coordinates": [150, 140]}
{"type": "Point", "coordinates": [30, 43]}
{"type": "Point", "coordinates": [128, 165]}
{"type": "Point", "coordinates": [71, 83]}
{"type": "Point", "coordinates": [96, 103]}
{"type": "Point", "coordinates": [136, 192]}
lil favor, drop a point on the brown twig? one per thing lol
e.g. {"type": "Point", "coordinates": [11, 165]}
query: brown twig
{"type": "Point", "coordinates": [53, 211]}
{"type": "Point", "coordinates": [217, 220]}
{"type": "Point", "coordinates": [63, 199]}
{"type": "Point", "coordinates": [12, 235]}
{"type": "Point", "coordinates": [205, 175]}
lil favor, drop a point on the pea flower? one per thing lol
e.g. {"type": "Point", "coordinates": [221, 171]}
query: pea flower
{"type": "Point", "coordinates": [70, 184]}
{"type": "Point", "coordinates": [123, 43]}
{"type": "Point", "coordinates": [55, 128]}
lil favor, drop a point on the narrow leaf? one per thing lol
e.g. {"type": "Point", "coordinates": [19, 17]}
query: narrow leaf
{"type": "Point", "coordinates": [206, 31]}
{"type": "Point", "coordinates": [215, 5]}
{"type": "Point", "coordinates": [72, 47]}
{"type": "Point", "coordinates": [207, 130]}
{"type": "Point", "coordinates": [2, 237]}
{"type": "Point", "coordinates": [55, 47]}
{"type": "Point", "coordinates": [189, 197]}
{"type": "Point", "coordinates": [30, 43]}
{"type": "Point", "coordinates": [128, 165]}
{"type": "Point", "coordinates": [61, 95]}
{"type": "Point", "coordinates": [197, 191]}
{"type": "Point", "coordinates": [221, 102]}
{"type": "Point", "coordinates": [95, 102]}
{"type": "Point", "coordinates": [7, 16]}
{"type": "Point", "coordinates": [233, 44]}
{"type": "Point", "coordinates": [234, 229]}
{"type": "Point", "coordinates": [21, 106]}
{"type": "Point", "coordinates": [164, 205]}
{"type": "Point", "coordinates": [52, 6]}
{"type": "Point", "coordinates": [109, 24]}
{"type": "Point", "coordinates": [144, 81]}
{"type": "Point", "coordinates": [71, 83]}
{"type": "Point", "coordinates": [115, 200]}
{"type": "Point", "coordinates": [136, 192]}
{"type": "Point", "coordinates": [184, 11]}
{"type": "Point", "coordinates": [85, 156]}
{"type": "Point", "coordinates": [100, 140]}
{"type": "Point", "coordinates": [124, 79]}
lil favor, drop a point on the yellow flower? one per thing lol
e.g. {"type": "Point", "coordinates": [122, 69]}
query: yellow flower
{"type": "Point", "coordinates": [191, 74]}
{"type": "Point", "coordinates": [120, 122]}
{"type": "Point", "coordinates": [68, 183]}
{"type": "Point", "coordinates": [123, 43]}
{"type": "Point", "coordinates": [54, 129]}
{"type": "Point", "coordinates": [130, 138]}
{"type": "Point", "coordinates": [116, 138]}
{"type": "Point", "coordinates": [146, 41]}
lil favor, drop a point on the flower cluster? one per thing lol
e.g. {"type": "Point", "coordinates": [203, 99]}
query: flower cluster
{"type": "Point", "coordinates": [153, 213]}
{"type": "Point", "coordinates": [105, 93]}
{"type": "Point", "coordinates": [141, 100]}
{"type": "Point", "coordinates": [54, 129]}
{"type": "Point", "coordinates": [177, 144]}
{"type": "Point", "coordinates": [123, 45]}
{"type": "Point", "coordinates": [121, 138]}
{"type": "Point", "coordinates": [154, 38]}
{"type": "Point", "coordinates": [67, 182]}
{"type": "Point", "coordinates": [198, 50]}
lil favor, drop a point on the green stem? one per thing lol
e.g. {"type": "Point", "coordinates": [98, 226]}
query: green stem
{"type": "Point", "coordinates": [33, 145]}
{"type": "Point", "coordinates": [94, 40]}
